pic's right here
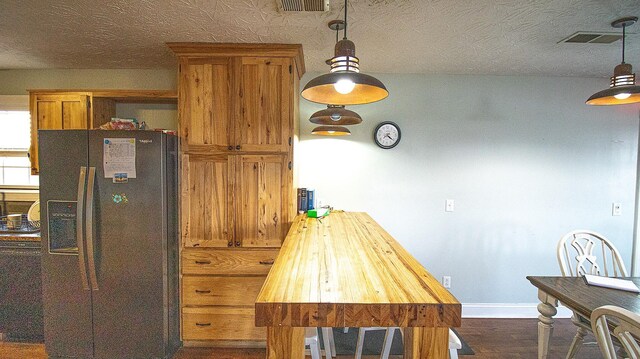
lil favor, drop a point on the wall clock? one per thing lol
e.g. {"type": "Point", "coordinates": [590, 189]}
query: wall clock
{"type": "Point", "coordinates": [387, 135]}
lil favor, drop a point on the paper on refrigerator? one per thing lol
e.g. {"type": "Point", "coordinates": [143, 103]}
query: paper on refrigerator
{"type": "Point", "coordinates": [119, 157]}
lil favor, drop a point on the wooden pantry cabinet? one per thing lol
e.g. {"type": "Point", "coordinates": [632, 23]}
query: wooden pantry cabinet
{"type": "Point", "coordinates": [81, 109]}
{"type": "Point", "coordinates": [238, 124]}
{"type": "Point", "coordinates": [231, 200]}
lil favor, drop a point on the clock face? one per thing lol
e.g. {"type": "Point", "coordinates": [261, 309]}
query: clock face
{"type": "Point", "coordinates": [387, 135]}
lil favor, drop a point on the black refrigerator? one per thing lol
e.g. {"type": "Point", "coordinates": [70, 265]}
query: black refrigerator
{"type": "Point", "coordinates": [110, 252]}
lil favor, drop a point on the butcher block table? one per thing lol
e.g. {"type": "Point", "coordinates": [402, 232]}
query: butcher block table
{"type": "Point", "coordinates": [344, 270]}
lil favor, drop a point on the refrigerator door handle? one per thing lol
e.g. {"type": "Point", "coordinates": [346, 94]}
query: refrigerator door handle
{"type": "Point", "coordinates": [80, 228]}
{"type": "Point", "coordinates": [91, 255]}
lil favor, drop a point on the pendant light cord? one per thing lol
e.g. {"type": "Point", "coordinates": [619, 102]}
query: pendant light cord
{"type": "Point", "coordinates": [624, 27]}
{"type": "Point", "coordinates": [345, 19]}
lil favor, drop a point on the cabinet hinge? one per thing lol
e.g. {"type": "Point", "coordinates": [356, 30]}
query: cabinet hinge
{"type": "Point", "coordinates": [290, 68]}
{"type": "Point", "coordinates": [88, 103]}
{"type": "Point", "coordinates": [290, 141]}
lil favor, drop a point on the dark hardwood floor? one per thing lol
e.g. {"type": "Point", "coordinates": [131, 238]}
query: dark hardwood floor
{"type": "Point", "coordinates": [489, 338]}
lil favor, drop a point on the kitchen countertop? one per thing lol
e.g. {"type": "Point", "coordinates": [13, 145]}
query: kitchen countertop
{"type": "Point", "coordinates": [35, 237]}
{"type": "Point", "coordinates": [345, 270]}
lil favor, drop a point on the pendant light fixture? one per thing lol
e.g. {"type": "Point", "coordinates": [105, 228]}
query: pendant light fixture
{"type": "Point", "coordinates": [344, 84]}
{"type": "Point", "coordinates": [335, 116]}
{"type": "Point", "coordinates": [622, 89]}
{"type": "Point", "coordinates": [331, 131]}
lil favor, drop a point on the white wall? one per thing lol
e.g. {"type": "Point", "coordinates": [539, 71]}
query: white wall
{"type": "Point", "coordinates": [523, 157]}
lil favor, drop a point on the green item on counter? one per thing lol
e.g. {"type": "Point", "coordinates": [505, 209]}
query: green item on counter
{"type": "Point", "coordinates": [318, 212]}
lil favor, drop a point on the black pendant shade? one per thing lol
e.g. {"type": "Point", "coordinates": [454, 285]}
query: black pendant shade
{"type": "Point", "coordinates": [335, 116]}
{"type": "Point", "coordinates": [344, 85]}
{"type": "Point", "coordinates": [622, 89]}
{"type": "Point", "coordinates": [367, 89]}
{"type": "Point", "coordinates": [331, 131]}
{"type": "Point", "coordinates": [608, 96]}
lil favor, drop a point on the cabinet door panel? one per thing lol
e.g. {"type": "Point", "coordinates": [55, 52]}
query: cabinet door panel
{"type": "Point", "coordinates": [207, 209]}
{"type": "Point", "coordinates": [55, 112]}
{"type": "Point", "coordinates": [49, 115]}
{"type": "Point", "coordinates": [74, 114]}
{"type": "Point", "coordinates": [263, 195]}
{"type": "Point", "coordinates": [207, 85]}
{"type": "Point", "coordinates": [265, 104]}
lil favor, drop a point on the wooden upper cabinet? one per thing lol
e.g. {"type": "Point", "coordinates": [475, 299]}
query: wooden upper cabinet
{"type": "Point", "coordinates": [58, 109]}
{"type": "Point", "coordinates": [238, 97]}
{"type": "Point", "coordinates": [263, 194]}
{"type": "Point", "coordinates": [207, 193]}
{"type": "Point", "coordinates": [56, 112]}
{"type": "Point", "coordinates": [265, 104]}
{"type": "Point", "coordinates": [206, 106]}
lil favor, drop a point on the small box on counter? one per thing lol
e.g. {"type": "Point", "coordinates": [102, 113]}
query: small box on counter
{"type": "Point", "coordinates": [303, 201]}
{"type": "Point", "coordinates": [311, 199]}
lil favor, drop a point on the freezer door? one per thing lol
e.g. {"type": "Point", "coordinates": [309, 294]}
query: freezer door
{"type": "Point", "coordinates": [66, 296]}
{"type": "Point", "coordinates": [129, 242]}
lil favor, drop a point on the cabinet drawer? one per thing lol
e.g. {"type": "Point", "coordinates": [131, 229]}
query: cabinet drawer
{"type": "Point", "coordinates": [220, 323]}
{"type": "Point", "coordinates": [220, 290]}
{"type": "Point", "coordinates": [228, 261]}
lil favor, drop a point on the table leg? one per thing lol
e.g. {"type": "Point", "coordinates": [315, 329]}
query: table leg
{"type": "Point", "coordinates": [547, 309]}
{"type": "Point", "coordinates": [420, 343]}
{"type": "Point", "coordinates": [285, 343]}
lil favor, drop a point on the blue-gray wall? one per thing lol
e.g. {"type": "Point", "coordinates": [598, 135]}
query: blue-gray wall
{"type": "Point", "coordinates": [523, 157]}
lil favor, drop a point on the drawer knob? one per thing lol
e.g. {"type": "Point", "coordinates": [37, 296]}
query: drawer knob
{"type": "Point", "coordinates": [203, 324]}
{"type": "Point", "coordinates": [230, 148]}
{"type": "Point", "coordinates": [203, 291]}
{"type": "Point", "coordinates": [238, 147]}
{"type": "Point", "coordinates": [237, 243]}
{"type": "Point", "coordinates": [203, 262]}
{"type": "Point", "coordinates": [267, 262]}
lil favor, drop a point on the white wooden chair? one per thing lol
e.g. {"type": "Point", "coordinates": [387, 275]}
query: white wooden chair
{"type": "Point", "coordinates": [583, 252]}
{"type": "Point", "coordinates": [311, 340]}
{"type": "Point", "coordinates": [626, 330]}
{"type": "Point", "coordinates": [454, 342]}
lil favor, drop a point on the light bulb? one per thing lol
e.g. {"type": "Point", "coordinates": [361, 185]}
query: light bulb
{"type": "Point", "coordinates": [336, 116]}
{"type": "Point", "coordinates": [344, 86]}
{"type": "Point", "coordinates": [331, 132]}
{"type": "Point", "coordinates": [622, 96]}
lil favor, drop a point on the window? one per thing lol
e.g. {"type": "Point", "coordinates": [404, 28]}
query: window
{"type": "Point", "coordinates": [15, 139]}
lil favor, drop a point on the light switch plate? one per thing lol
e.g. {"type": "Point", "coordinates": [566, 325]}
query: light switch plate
{"type": "Point", "coordinates": [449, 205]}
{"type": "Point", "coordinates": [617, 209]}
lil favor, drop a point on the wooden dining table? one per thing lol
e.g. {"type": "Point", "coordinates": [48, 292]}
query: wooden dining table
{"type": "Point", "coordinates": [577, 295]}
{"type": "Point", "coordinates": [345, 270]}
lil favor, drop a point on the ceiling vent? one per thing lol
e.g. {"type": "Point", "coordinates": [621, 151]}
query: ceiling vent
{"type": "Point", "coordinates": [583, 37]}
{"type": "Point", "coordinates": [302, 5]}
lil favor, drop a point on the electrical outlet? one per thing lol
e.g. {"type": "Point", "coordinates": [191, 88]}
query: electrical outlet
{"type": "Point", "coordinates": [617, 209]}
{"type": "Point", "coordinates": [446, 281]}
{"type": "Point", "coordinates": [449, 205]}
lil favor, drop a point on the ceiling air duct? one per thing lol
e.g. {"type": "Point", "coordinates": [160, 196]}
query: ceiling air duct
{"type": "Point", "coordinates": [302, 5]}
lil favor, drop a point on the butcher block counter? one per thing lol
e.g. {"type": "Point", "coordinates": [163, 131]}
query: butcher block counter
{"type": "Point", "coordinates": [345, 270]}
{"type": "Point", "coordinates": [28, 237]}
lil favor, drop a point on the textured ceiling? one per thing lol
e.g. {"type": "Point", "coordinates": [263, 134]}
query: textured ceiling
{"type": "Point", "coordinates": [409, 36]}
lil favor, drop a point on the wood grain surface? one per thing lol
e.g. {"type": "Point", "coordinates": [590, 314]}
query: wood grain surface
{"type": "Point", "coordinates": [227, 261]}
{"type": "Point", "coordinates": [210, 290]}
{"type": "Point", "coordinates": [345, 270]}
{"type": "Point", "coordinates": [577, 295]}
{"type": "Point", "coordinates": [30, 237]}
{"type": "Point", "coordinates": [222, 323]}
{"type": "Point", "coordinates": [202, 49]}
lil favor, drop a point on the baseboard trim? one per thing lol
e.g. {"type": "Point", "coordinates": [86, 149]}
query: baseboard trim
{"type": "Point", "coordinates": [507, 310]}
